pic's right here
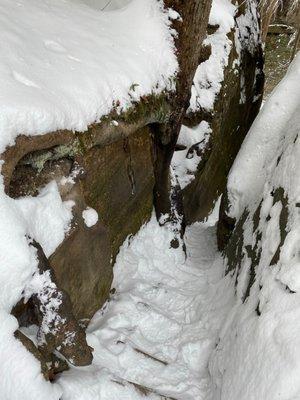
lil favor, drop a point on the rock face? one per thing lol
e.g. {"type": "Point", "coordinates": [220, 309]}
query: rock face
{"type": "Point", "coordinates": [259, 236]}
{"type": "Point", "coordinates": [118, 183]}
{"type": "Point", "coordinates": [110, 168]}
{"type": "Point", "coordinates": [234, 110]}
{"type": "Point", "coordinates": [115, 180]}
{"type": "Point", "coordinates": [112, 172]}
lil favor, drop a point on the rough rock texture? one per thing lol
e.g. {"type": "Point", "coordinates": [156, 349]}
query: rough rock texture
{"type": "Point", "coordinates": [118, 184]}
{"type": "Point", "coordinates": [259, 235]}
{"type": "Point", "coordinates": [110, 168]}
{"type": "Point", "coordinates": [117, 181]}
{"type": "Point", "coordinates": [58, 328]}
{"type": "Point", "coordinates": [190, 31]}
{"type": "Point", "coordinates": [234, 111]}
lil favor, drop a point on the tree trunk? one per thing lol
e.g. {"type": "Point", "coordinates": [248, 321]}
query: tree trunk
{"type": "Point", "coordinates": [190, 26]}
{"type": "Point", "coordinates": [268, 11]}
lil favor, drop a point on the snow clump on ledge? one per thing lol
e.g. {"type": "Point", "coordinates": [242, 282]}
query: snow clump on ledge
{"type": "Point", "coordinates": [90, 217]}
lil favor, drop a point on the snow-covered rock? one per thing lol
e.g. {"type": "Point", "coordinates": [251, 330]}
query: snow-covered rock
{"type": "Point", "coordinates": [64, 65]}
{"type": "Point", "coordinates": [258, 356]}
{"type": "Point", "coordinates": [226, 97]}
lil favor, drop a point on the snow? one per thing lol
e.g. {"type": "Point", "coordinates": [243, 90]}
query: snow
{"type": "Point", "coordinates": [210, 74]}
{"type": "Point", "coordinates": [279, 115]}
{"type": "Point", "coordinates": [175, 327]}
{"type": "Point", "coordinates": [44, 287]}
{"type": "Point", "coordinates": [259, 348]}
{"type": "Point", "coordinates": [43, 218]}
{"type": "Point", "coordinates": [20, 371]}
{"type": "Point", "coordinates": [64, 65]}
{"type": "Point", "coordinates": [46, 213]}
{"type": "Point", "coordinates": [90, 217]}
{"type": "Point", "coordinates": [184, 162]}
{"type": "Point", "coordinates": [104, 5]}
{"type": "Point", "coordinates": [222, 12]}
{"type": "Point", "coordinates": [159, 328]}
{"type": "Point", "coordinates": [207, 84]}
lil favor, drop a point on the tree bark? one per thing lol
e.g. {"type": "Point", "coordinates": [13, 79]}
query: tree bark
{"type": "Point", "coordinates": [191, 27]}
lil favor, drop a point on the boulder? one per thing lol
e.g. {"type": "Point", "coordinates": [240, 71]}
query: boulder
{"type": "Point", "coordinates": [116, 180]}
{"type": "Point", "coordinates": [236, 106]}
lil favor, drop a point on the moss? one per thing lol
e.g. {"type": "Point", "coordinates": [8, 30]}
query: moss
{"type": "Point", "coordinates": [277, 58]}
{"type": "Point", "coordinates": [156, 103]}
{"type": "Point", "coordinates": [235, 248]}
{"type": "Point", "coordinates": [254, 252]}
{"type": "Point", "coordinates": [39, 158]}
{"type": "Point", "coordinates": [230, 122]}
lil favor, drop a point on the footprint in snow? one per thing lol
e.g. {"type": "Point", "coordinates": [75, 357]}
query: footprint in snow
{"type": "Point", "coordinates": [54, 46]}
{"type": "Point", "coordinates": [73, 58]}
{"type": "Point", "coordinates": [25, 81]}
